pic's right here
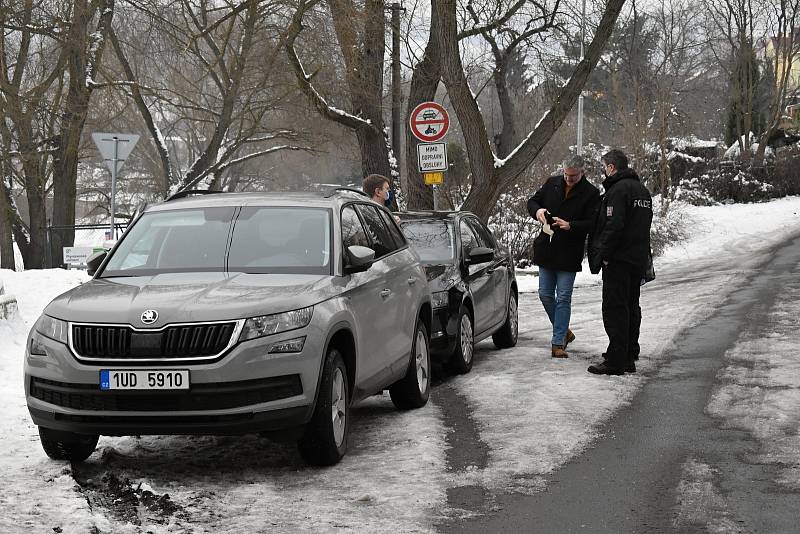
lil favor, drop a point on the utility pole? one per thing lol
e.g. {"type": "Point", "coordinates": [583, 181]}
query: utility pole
{"type": "Point", "coordinates": [580, 97]}
{"type": "Point", "coordinates": [397, 103]}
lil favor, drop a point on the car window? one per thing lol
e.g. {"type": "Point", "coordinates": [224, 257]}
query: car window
{"type": "Point", "coordinates": [382, 241]}
{"type": "Point", "coordinates": [433, 239]}
{"type": "Point", "coordinates": [397, 235]}
{"type": "Point", "coordinates": [281, 240]}
{"type": "Point", "coordinates": [468, 239]}
{"type": "Point", "coordinates": [191, 240]}
{"type": "Point", "coordinates": [353, 232]}
{"type": "Point", "coordinates": [484, 237]}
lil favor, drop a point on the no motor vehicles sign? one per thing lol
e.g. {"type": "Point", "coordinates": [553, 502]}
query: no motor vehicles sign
{"type": "Point", "coordinates": [429, 122]}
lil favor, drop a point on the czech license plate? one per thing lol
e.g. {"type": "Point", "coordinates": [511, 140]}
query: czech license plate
{"type": "Point", "coordinates": [144, 379]}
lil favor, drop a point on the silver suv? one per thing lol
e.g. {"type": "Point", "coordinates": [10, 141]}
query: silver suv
{"type": "Point", "coordinates": [231, 314]}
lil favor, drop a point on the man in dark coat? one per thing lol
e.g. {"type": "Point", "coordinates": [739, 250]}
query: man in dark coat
{"type": "Point", "coordinates": [566, 206]}
{"type": "Point", "coordinates": [620, 246]}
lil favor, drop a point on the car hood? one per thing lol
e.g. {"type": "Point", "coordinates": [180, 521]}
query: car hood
{"type": "Point", "coordinates": [441, 277]}
{"type": "Point", "coordinates": [191, 297]}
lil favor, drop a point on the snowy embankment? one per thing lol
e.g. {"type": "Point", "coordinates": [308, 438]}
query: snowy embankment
{"type": "Point", "coordinates": [533, 412]}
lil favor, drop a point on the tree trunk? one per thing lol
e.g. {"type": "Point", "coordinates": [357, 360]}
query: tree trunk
{"type": "Point", "coordinates": [481, 159]}
{"type": "Point", "coordinates": [424, 82]}
{"type": "Point", "coordinates": [82, 54]}
{"type": "Point", "coordinates": [490, 177]}
{"type": "Point", "coordinates": [508, 136]}
{"type": "Point", "coordinates": [6, 242]}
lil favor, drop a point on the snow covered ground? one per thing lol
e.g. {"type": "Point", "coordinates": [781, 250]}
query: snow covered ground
{"type": "Point", "coordinates": [532, 411]}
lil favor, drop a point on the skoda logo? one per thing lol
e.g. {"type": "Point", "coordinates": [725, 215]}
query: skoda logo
{"type": "Point", "coordinates": [149, 316]}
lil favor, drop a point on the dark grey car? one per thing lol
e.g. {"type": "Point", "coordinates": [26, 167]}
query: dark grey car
{"type": "Point", "coordinates": [472, 280]}
{"type": "Point", "coordinates": [235, 313]}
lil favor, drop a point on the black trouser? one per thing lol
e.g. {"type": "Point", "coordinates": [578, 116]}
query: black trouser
{"type": "Point", "coordinates": [622, 316]}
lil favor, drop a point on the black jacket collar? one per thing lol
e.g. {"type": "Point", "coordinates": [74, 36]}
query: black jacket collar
{"type": "Point", "coordinates": [624, 174]}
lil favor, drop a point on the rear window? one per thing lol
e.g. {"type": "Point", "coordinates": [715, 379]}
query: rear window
{"type": "Point", "coordinates": [432, 239]}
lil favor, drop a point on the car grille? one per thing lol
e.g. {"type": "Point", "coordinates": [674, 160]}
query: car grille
{"type": "Point", "coordinates": [211, 396]}
{"type": "Point", "coordinates": [123, 342]}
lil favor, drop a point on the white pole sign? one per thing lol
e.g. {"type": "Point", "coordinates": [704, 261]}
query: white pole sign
{"type": "Point", "coordinates": [115, 149]}
{"type": "Point", "coordinates": [432, 157]}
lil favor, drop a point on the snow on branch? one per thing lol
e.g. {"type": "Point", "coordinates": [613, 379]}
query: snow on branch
{"type": "Point", "coordinates": [261, 153]}
{"type": "Point", "coordinates": [304, 79]}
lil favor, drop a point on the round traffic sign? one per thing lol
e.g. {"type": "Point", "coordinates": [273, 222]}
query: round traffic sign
{"type": "Point", "coordinates": [429, 122]}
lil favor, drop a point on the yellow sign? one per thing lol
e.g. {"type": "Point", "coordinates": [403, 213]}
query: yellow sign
{"type": "Point", "coordinates": [433, 178]}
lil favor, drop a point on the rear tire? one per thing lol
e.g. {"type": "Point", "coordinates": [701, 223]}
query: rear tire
{"type": "Point", "coordinates": [324, 441]}
{"type": "Point", "coordinates": [412, 391]}
{"type": "Point", "coordinates": [506, 336]}
{"type": "Point", "coordinates": [464, 353]}
{"type": "Point", "coordinates": [61, 445]}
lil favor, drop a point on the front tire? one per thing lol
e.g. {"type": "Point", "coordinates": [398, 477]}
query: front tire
{"type": "Point", "coordinates": [506, 336]}
{"type": "Point", "coordinates": [62, 445]}
{"type": "Point", "coordinates": [464, 353]}
{"type": "Point", "coordinates": [324, 441]}
{"type": "Point", "coordinates": [412, 391]}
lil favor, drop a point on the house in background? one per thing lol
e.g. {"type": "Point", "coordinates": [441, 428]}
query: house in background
{"type": "Point", "coordinates": [783, 54]}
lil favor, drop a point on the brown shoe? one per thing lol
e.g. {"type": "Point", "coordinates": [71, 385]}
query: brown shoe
{"type": "Point", "coordinates": [559, 352]}
{"type": "Point", "coordinates": [570, 338]}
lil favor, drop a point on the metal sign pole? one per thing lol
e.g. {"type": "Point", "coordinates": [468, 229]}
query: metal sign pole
{"type": "Point", "coordinates": [434, 198]}
{"type": "Point", "coordinates": [114, 184]}
{"type": "Point", "coordinates": [115, 149]}
{"type": "Point", "coordinates": [580, 97]}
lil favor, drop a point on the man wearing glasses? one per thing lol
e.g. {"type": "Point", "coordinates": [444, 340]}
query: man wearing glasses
{"type": "Point", "coordinates": [620, 246]}
{"type": "Point", "coordinates": [565, 206]}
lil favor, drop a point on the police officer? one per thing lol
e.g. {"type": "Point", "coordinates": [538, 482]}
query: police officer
{"type": "Point", "coordinates": [620, 246]}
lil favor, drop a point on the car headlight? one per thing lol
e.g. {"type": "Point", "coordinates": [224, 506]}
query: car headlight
{"type": "Point", "coordinates": [47, 327]}
{"type": "Point", "coordinates": [439, 299]}
{"type": "Point", "coordinates": [267, 325]}
{"type": "Point", "coordinates": [53, 328]}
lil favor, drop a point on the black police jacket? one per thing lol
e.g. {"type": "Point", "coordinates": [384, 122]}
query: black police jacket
{"type": "Point", "coordinates": [564, 252]}
{"type": "Point", "coordinates": [622, 227]}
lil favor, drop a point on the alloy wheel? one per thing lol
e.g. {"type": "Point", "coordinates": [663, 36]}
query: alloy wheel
{"type": "Point", "coordinates": [422, 361]}
{"type": "Point", "coordinates": [513, 318]}
{"type": "Point", "coordinates": [466, 338]}
{"type": "Point", "coordinates": [338, 406]}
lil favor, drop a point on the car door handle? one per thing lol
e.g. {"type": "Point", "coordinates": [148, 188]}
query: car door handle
{"type": "Point", "coordinates": [386, 292]}
{"type": "Point", "coordinates": [412, 281]}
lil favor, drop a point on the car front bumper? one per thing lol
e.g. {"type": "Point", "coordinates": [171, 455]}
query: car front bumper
{"type": "Point", "coordinates": [247, 390]}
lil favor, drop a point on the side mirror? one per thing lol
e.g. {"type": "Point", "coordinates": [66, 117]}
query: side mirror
{"type": "Point", "coordinates": [94, 261]}
{"type": "Point", "coordinates": [359, 259]}
{"type": "Point", "coordinates": [477, 255]}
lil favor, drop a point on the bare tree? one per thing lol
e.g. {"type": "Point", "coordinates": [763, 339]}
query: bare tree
{"type": "Point", "coordinates": [360, 32]}
{"type": "Point", "coordinates": [735, 23]}
{"type": "Point", "coordinates": [492, 175]}
{"type": "Point", "coordinates": [49, 53]}
{"type": "Point", "coordinates": [217, 92]}
{"type": "Point", "coordinates": [677, 62]}
{"type": "Point", "coordinates": [783, 49]}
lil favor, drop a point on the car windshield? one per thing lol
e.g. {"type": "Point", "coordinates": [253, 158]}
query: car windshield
{"type": "Point", "coordinates": [285, 240]}
{"type": "Point", "coordinates": [432, 238]}
{"type": "Point", "coordinates": [263, 240]}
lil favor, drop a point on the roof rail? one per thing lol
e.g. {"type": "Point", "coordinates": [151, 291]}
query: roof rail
{"type": "Point", "coordinates": [327, 193]}
{"type": "Point", "coordinates": [188, 192]}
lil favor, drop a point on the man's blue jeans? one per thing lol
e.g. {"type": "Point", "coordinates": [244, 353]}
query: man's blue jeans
{"type": "Point", "coordinates": [555, 292]}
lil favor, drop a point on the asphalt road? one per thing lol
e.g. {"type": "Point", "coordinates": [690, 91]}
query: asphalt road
{"type": "Point", "coordinates": [628, 481]}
